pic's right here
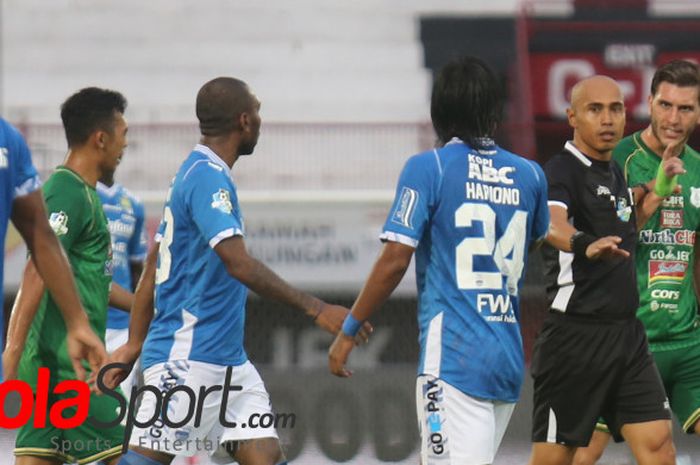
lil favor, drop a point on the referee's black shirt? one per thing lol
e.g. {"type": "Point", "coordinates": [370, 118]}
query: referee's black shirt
{"type": "Point", "coordinates": [599, 203]}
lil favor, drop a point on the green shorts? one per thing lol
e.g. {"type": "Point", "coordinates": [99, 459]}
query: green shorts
{"type": "Point", "coordinates": [83, 444]}
{"type": "Point", "coordinates": [680, 372]}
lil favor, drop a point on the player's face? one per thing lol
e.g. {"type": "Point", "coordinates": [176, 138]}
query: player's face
{"type": "Point", "coordinates": [114, 144]}
{"type": "Point", "coordinates": [251, 123]}
{"type": "Point", "coordinates": [674, 113]}
{"type": "Point", "coordinates": [598, 117]}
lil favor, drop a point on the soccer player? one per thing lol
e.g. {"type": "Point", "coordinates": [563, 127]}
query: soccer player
{"type": "Point", "coordinates": [469, 210]}
{"type": "Point", "coordinates": [126, 217]}
{"type": "Point", "coordinates": [195, 339]}
{"type": "Point", "coordinates": [666, 261]}
{"type": "Point", "coordinates": [591, 357]}
{"type": "Point", "coordinates": [96, 133]}
{"type": "Point", "coordinates": [22, 201]}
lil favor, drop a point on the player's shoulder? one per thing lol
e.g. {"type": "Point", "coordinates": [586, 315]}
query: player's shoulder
{"type": "Point", "coordinates": [199, 167]}
{"type": "Point", "coordinates": [65, 179]}
{"type": "Point", "coordinates": [627, 148]}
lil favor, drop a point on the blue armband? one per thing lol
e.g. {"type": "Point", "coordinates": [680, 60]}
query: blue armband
{"type": "Point", "coordinates": [351, 326]}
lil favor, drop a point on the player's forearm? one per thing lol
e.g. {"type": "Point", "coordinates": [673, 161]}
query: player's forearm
{"type": "Point", "coordinates": [646, 206]}
{"type": "Point", "coordinates": [386, 274]}
{"type": "Point", "coordinates": [266, 283]}
{"type": "Point", "coordinates": [559, 235]}
{"type": "Point", "coordinates": [142, 308]}
{"type": "Point", "coordinates": [24, 309]}
{"type": "Point", "coordinates": [120, 298]}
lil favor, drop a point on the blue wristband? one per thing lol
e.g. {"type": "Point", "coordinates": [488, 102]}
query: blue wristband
{"type": "Point", "coordinates": [351, 326]}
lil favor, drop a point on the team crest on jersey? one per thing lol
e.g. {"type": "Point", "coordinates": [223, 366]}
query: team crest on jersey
{"type": "Point", "coordinates": [695, 196]}
{"type": "Point", "coordinates": [222, 201]}
{"type": "Point", "coordinates": [624, 211]}
{"type": "Point", "coordinates": [403, 214]}
{"type": "Point", "coordinates": [59, 223]}
{"type": "Point", "coordinates": [126, 204]}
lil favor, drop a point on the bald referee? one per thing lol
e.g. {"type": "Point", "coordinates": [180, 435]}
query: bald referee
{"type": "Point", "coordinates": [591, 358]}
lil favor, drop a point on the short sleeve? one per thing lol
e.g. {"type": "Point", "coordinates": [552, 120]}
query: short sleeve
{"type": "Point", "coordinates": [213, 203]}
{"type": "Point", "coordinates": [69, 211]}
{"type": "Point", "coordinates": [413, 200]}
{"type": "Point", "coordinates": [559, 183]}
{"type": "Point", "coordinates": [540, 224]}
{"type": "Point", "coordinates": [26, 178]}
{"type": "Point", "coordinates": [138, 244]}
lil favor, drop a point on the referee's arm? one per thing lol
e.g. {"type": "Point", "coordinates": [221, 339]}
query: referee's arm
{"type": "Point", "coordinates": [563, 236]}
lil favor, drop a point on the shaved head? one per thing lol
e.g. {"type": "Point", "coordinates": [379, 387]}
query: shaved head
{"type": "Point", "coordinates": [584, 90]}
{"type": "Point", "coordinates": [597, 114]}
{"type": "Point", "coordinates": [220, 102]}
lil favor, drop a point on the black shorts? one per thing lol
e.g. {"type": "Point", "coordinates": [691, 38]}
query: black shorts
{"type": "Point", "coordinates": [584, 369]}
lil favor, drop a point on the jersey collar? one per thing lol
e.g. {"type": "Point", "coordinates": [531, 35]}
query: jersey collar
{"type": "Point", "coordinates": [212, 156]}
{"type": "Point", "coordinates": [570, 147]}
{"type": "Point", "coordinates": [110, 191]}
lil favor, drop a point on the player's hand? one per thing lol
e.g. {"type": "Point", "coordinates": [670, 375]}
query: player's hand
{"type": "Point", "coordinates": [338, 355]}
{"type": "Point", "coordinates": [606, 248]}
{"type": "Point", "coordinates": [126, 355]}
{"type": "Point", "coordinates": [10, 364]}
{"type": "Point", "coordinates": [83, 344]}
{"type": "Point", "coordinates": [331, 319]}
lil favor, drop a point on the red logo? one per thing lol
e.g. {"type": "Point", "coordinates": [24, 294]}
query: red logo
{"type": "Point", "coordinates": [81, 403]}
{"type": "Point", "coordinates": [672, 219]}
{"type": "Point", "coordinates": [666, 270]}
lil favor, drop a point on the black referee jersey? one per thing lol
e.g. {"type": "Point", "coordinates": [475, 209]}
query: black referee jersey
{"type": "Point", "coordinates": [599, 203]}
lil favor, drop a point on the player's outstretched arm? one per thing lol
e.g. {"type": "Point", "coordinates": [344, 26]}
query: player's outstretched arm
{"type": "Point", "coordinates": [386, 274]}
{"type": "Point", "coordinates": [30, 219]}
{"type": "Point", "coordinates": [647, 197]}
{"type": "Point", "coordinates": [266, 283]}
{"type": "Point", "coordinates": [139, 321]}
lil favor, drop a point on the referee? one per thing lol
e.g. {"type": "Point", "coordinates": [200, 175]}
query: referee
{"type": "Point", "coordinates": [591, 358]}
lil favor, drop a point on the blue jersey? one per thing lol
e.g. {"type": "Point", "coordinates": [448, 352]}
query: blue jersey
{"type": "Point", "coordinates": [126, 217]}
{"type": "Point", "coordinates": [199, 307]}
{"type": "Point", "coordinates": [18, 177]}
{"type": "Point", "coordinates": [471, 215]}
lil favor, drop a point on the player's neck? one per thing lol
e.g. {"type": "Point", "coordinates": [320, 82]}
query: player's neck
{"type": "Point", "coordinates": [591, 152]}
{"type": "Point", "coordinates": [224, 147]}
{"type": "Point", "coordinates": [84, 165]}
{"type": "Point", "coordinates": [651, 141]}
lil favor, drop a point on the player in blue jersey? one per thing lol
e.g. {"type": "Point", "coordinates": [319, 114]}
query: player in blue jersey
{"type": "Point", "coordinates": [126, 216]}
{"type": "Point", "coordinates": [203, 274]}
{"type": "Point", "coordinates": [469, 210]}
{"type": "Point", "coordinates": [21, 201]}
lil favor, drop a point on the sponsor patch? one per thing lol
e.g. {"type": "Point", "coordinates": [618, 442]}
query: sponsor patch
{"type": "Point", "coordinates": [221, 201]}
{"type": "Point", "coordinates": [624, 211]}
{"type": "Point", "coordinates": [59, 223]}
{"type": "Point", "coordinates": [602, 191]}
{"type": "Point", "coordinates": [403, 214]}
{"type": "Point", "coordinates": [672, 219]}
{"type": "Point", "coordinates": [666, 271]}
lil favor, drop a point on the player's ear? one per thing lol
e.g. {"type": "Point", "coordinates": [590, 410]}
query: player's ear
{"type": "Point", "coordinates": [100, 138]}
{"type": "Point", "coordinates": [244, 121]}
{"type": "Point", "coordinates": [571, 116]}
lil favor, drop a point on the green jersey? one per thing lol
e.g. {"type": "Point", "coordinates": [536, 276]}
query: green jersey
{"type": "Point", "coordinates": [77, 218]}
{"type": "Point", "coordinates": [664, 255]}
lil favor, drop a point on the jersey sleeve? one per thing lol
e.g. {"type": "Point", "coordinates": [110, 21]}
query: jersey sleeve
{"type": "Point", "coordinates": [540, 223]}
{"type": "Point", "coordinates": [69, 211]}
{"type": "Point", "coordinates": [413, 201]}
{"type": "Point", "coordinates": [26, 178]}
{"type": "Point", "coordinates": [138, 244]}
{"type": "Point", "coordinates": [559, 184]}
{"type": "Point", "coordinates": [213, 204]}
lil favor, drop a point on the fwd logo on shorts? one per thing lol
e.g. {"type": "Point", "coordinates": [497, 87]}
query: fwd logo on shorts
{"type": "Point", "coordinates": [433, 396]}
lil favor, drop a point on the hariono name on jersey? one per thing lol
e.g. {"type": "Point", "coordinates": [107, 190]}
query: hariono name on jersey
{"type": "Point", "coordinates": [481, 169]}
{"type": "Point", "coordinates": [199, 307]}
{"type": "Point", "coordinates": [470, 256]}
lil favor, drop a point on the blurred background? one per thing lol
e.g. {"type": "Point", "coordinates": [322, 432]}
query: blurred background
{"type": "Point", "coordinates": [345, 91]}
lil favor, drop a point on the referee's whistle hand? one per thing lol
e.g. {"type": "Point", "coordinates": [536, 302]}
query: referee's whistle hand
{"type": "Point", "coordinates": [606, 248]}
